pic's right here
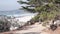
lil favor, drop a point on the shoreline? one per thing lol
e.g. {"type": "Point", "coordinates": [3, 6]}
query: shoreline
{"type": "Point", "coordinates": [16, 22]}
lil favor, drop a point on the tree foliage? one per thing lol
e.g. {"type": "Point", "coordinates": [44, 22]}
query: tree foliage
{"type": "Point", "coordinates": [48, 9]}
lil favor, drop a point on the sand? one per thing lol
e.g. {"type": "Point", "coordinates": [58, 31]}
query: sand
{"type": "Point", "coordinates": [34, 29]}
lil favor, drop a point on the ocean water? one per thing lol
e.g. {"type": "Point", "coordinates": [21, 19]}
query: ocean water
{"type": "Point", "coordinates": [16, 13]}
{"type": "Point", "coordinates": [13, 12]}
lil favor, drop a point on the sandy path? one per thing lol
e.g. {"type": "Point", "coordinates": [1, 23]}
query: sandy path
{"type": "Point", "coordinates": [35, 29]}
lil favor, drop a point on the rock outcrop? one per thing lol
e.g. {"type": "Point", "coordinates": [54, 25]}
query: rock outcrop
{"type": "Point", "coordinates": [4, 24]}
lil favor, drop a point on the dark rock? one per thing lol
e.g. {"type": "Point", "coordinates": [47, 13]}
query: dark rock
{"type": "Point", "coordinates": [4, 24]}
{"type": "Point", "coordinates": [53, 27]}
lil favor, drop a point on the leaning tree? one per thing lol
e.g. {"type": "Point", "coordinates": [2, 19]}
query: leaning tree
{"type": "Point", "coordinates": [47, 9]}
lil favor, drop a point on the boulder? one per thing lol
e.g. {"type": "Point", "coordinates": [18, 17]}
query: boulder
{"type": "Point", "coordinates": [4, 24]}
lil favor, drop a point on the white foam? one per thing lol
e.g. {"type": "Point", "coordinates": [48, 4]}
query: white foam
{"type": "Point", "coordinates": [26, 18]}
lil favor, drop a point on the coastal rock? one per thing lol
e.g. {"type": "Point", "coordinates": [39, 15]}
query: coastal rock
{"type": "Point", "coordinates": [4, 24]}
{"type": "Point", "coordinates": [15, 23]}
{"type": "Point", "coordinates": [57, 22]}
{"type": "Point", "coordinates": [8, 23]}
{"type": "Point", "coordinates": [54, 24]}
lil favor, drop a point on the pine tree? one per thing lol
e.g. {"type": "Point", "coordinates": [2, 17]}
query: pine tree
{"type": "Point", "coordinates": [47, 9]}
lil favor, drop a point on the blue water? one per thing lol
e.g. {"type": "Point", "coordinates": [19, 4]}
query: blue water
{"type": "Point", "coordinates": [17, 13]}
{"type": "Point", "coordinates": [13, 12]}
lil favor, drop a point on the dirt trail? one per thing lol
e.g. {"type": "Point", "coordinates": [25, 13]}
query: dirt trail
{"type": "Point", "coordinates": [34, 29]}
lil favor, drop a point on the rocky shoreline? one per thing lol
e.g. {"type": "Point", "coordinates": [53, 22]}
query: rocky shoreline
{"type": "Point", "coordinates": [12, 23]}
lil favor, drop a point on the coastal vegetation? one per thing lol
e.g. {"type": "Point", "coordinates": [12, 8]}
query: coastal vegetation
{"type": "Point", "coordinates": [47, 9]}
